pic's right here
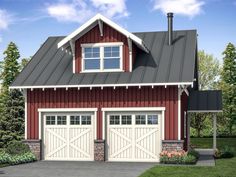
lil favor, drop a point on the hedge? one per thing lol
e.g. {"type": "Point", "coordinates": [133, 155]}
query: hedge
{"type": "Point", "coordinates": [6, 158]}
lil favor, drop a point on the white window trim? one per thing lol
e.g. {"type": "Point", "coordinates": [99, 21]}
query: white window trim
{"type": "Point", "coordinates": [67, 110]}
{"type": "Point", "coordinates": [101, 47]}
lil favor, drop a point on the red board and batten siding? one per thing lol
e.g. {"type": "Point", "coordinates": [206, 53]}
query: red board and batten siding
{"type": "Point", "coordinates": [93, 36]}
{"type": "Point", "coordinates": [108, 97]}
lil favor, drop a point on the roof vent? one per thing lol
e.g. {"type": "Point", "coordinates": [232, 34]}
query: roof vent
{"type": "Point", "coordinates": [170, 27]}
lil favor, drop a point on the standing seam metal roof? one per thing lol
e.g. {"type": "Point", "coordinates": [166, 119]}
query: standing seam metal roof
{"type": "Point", "coordinates": [51, 66]}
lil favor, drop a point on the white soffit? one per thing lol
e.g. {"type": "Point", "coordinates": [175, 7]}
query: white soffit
{"type": "Point", "coordinates": [134, 38]}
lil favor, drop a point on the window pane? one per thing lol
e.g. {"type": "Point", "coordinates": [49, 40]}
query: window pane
{"type": "Point", "coordinates": [112, 63]}
{"type": "Point", "coordinates": [126, 119]}
{"type": "Point", "coordinates": [115, 49]}
{"type": "Point", "coordinates": [96, 50]}
{"type": "Point", "coordinates": [107, 49]}
{"type": "Point", "coordinates": [115, 120]}
{"type": "Point", "coordinates": [92, 63]}
{"type": "Point", "coordinates": [61, 120]}
{"type": "Point", "coordinates": [88, 50]}
{"type": "Point", "coordinates": [152, 119]}
{"type": "Point", "coordinates": [140, 119]}
{"type": "Point", "coordinates": [74, 120]}
{"type": "Point", "coordinates": [50, 120]}
{"type": "Point", "coordinates": [86, 120]}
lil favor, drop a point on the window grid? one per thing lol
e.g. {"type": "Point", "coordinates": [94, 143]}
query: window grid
{"type": "Point", "coordinates": [61, 120]}
{"type": "Point", "coordinates": [75, 120]}
{"type": "Point", "coordinates": [109, 58]}
{"type": "Point", "coordinates": [152, 119]}
{"type": "Point", "coordinates": [86, 120]}
{"type": "Point", "coordinates": [114, 120]}
{"type": "Point", "coordinates": [91, 58]}
{"type": "Point", "coordinates": [50, 120]}
{"type": "Point", "coordinates": [126, 119]}
{"type": "Point", "coordinates": [140, 119]}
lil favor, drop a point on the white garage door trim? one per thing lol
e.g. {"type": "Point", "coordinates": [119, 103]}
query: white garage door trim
{"type": "Point", "coordinates": [134, 143]}
{"type": "Point", "coordinates": [131, 109]}
{"type": "Point", "coordinates": [70, 112]}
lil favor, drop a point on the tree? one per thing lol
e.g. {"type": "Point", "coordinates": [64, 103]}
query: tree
{"type": "Point", "coordinates": [209, 71]}
{"type": "Point", "coordinates": [24, 62]}
{"type": "Point", "coordinates": [209, 74]}
{"type": "Point", "coordinates": [228, 85]}
{"type": "Point", "coordinates": [11, 102]}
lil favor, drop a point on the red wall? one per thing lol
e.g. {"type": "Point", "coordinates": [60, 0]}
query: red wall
{"type": "Point", "coordinates": [93, 36]}
{"type": "Point", "coordinates": [108, 97]}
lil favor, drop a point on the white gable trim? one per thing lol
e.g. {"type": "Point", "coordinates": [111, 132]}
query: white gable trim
{"type": "Point", "coordinates": [96, 18]}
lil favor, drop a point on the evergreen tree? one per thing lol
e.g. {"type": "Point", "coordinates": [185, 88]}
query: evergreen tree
{"type": "Point", "coordinates": [11, 102]}
{"type": "Point", "coordinates": [228, 85]}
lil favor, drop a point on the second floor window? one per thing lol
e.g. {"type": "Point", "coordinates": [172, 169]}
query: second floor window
{"type": "Point", "coordinates": [102, 57]}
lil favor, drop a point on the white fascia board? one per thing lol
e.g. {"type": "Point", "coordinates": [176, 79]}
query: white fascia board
{"type": "Point", "coordinates": [67, 109]}
{"type": "Point", "coordinates": [136, 39]}
{"type": "Point", "coordinates": [102, 85]}
{"type": "Point", "coordinates": [134, 109]}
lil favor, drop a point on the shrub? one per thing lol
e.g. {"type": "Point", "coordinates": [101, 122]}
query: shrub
{"type": "Point", "coordinates": [189, 159]}
{"type": "Point", "coordinates": [194, 153]}
{"type": "Point", "coordinates": [17, 148]}
{"type": "Point", "coordinates": [6, 158]}
{"type": "Point", "coordinates": [23, 158]}
{"type": "Point", "coordinates": [177, 157]}
{"type": "Point", "coordinates": [227, 152]}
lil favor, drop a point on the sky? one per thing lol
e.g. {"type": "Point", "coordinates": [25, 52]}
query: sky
{"type": "Point", "coordinates": [29, 23]}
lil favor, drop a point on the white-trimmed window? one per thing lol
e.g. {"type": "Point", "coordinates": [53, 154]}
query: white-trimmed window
{"type": "Point", "coordinates": [102, 57]}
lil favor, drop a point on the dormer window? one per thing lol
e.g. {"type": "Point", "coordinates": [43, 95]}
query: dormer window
{"type": "Point", "coordinates": [102, 57]}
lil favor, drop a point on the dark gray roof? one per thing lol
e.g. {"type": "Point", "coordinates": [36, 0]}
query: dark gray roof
{"type": "Point", "coordinates": [206, 101]}
{"type": "Point", "coordinates": [51, 66]}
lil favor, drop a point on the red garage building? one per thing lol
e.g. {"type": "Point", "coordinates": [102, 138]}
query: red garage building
{"type": "Point", "coordinates": [103, 93]}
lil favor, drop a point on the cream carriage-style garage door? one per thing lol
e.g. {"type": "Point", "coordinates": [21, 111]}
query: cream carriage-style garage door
{"type": "Point", "coordinates": [133, 136]}
{"type": "Point", "coordinates": [68, 136]}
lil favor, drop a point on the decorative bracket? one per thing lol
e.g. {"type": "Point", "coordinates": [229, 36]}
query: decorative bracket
{"type": "Point", "coordinates": [72, 47]}
{"type": "Point", "coordinates": [100, 24]}
{"type": "Point", "coordinates": [130, 54]}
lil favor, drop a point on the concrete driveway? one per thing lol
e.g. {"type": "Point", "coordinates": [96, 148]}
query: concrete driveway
{"type": "Point", "coordinates": [75, 169]}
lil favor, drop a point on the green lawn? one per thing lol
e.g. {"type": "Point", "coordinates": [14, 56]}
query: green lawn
{"type": "Point", "coordinates": [223, 168]}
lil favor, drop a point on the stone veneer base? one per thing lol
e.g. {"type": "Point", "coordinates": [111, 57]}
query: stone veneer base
{"type": "Point", "coordinates": [35, 147]}
{"type": "Point", "coordinates": [99, 150]}
{"type": "Point", "coordinates": [172, 145]}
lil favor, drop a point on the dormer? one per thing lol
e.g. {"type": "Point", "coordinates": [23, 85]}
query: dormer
{"type": "Point", "coordinates": [101, 45]}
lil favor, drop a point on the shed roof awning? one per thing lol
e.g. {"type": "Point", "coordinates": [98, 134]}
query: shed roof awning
{"type": "Point", "coordinates": [205, 101]}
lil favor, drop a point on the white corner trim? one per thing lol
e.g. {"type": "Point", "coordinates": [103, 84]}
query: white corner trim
{"type": "Point", "coordinates": [25, 95]}
{"type": "Point", "coordinates": [163, 125]}
{"type": "Point", "coordinates": [101, 85]}
{"type": "Point", "coordinates": [95, 125]}
{"type": "Point", "coordinates": [179, 113]}
{"type": "Point", "coordinates": [103, 125]}
{"type": "Point", "coordinates": [40, 119]}
{"type": "Point", "coordinates": [134, 109]}
{"type": "Point", "coordinates": [98, 17]}
{"type": "Point", "coordinates": [67, 109]}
